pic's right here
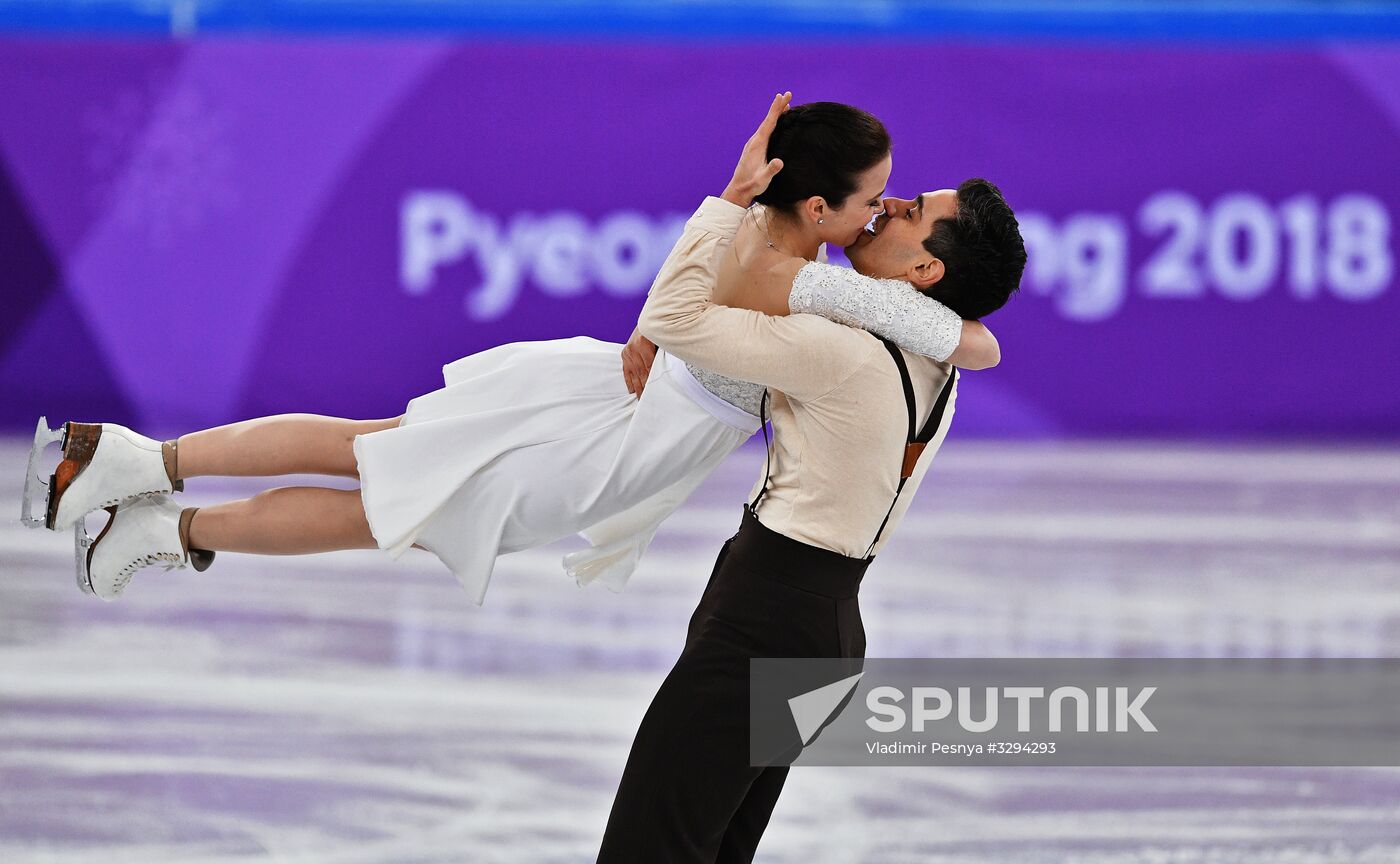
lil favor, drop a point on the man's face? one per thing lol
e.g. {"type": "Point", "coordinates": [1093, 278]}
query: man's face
{"type": "Point", "coordinates": [893, 247]}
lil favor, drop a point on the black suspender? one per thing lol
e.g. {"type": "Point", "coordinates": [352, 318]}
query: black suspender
{"type": "Point", "coordinates": [914, 443]}
{"type": "Point", "coordinates": [767, 452]}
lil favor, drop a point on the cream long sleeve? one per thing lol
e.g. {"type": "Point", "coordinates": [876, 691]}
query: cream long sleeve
{"type": "Point", "coordinates": [839, 417]}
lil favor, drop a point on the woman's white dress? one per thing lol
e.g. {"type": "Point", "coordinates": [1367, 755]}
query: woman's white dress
{"type": "Point", "coordinates": [530, 442]}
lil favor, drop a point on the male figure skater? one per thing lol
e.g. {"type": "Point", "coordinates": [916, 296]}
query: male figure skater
{"type": "Point", "coordinates": [851, 415]}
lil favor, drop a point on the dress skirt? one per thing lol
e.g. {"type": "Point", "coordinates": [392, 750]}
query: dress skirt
{"type": "Point", "coordinates": [530, 442]}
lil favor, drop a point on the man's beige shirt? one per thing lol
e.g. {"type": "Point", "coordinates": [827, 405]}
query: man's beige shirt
{"type": "Point", "coordinates": [838, 409]}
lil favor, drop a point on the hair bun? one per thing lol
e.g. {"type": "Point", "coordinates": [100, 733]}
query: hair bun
{"type": "Point", "coordinates": [824, 146]}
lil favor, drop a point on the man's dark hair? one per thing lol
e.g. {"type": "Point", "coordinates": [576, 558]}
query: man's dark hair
{"type": "Point", "coordinates": [982, 252]}
{"type": "Point", "coordinates": [825, 146]}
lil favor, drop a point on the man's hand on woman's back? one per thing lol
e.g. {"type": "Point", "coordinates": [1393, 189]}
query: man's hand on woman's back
{"type": "Point", "coordinates": [637, 355]}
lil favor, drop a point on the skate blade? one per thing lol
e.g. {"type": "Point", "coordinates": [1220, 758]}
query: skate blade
{"type": "Point", "coordinates": [81, 544]}
{"type": "Point", "coordinates": [35, 486]}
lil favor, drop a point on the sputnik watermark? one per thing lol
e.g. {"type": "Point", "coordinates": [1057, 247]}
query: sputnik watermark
{"type": "Point", "coordinates": [929, 705]}
{"type": "Point", "coordinates": [1100, 711]}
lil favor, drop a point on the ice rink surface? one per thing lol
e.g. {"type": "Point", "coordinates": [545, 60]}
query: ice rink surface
{"type": "Point", "coordinates": [346, 709]}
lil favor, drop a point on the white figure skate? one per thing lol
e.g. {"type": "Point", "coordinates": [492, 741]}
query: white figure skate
{"type": "Point", "coordinates": [103, 465]}
{"type": "Point", "coordinates": [140, 534]}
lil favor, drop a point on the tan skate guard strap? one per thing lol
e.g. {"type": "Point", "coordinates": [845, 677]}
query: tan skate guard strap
{"type": "Point", "coordinates": [170, 454]}
{"type": "Point", "coordinates": [199, 559]}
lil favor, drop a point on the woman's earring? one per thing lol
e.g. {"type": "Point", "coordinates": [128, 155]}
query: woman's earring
{"type": "Point", "coordinates": [821, 221]}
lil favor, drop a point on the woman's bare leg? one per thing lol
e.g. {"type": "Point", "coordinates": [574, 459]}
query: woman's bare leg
{"type": "Point", "coordinates": [268, 446]}
{"type": "Point", "coordinates": [292, 520]}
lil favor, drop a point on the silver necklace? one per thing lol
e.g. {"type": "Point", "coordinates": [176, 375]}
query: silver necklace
{"type": "Point", "coordinates": [769, 237]}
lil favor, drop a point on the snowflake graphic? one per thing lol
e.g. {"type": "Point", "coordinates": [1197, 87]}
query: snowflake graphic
{"type": "Point", "coordinates": [171, 164]}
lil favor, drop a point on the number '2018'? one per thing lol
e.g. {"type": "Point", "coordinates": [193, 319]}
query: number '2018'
{"type": "Point", "coordinates": [1241, 244]}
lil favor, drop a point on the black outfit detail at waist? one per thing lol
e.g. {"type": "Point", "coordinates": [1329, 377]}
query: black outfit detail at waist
{"type": "Point", "coordinates": [798, 564]}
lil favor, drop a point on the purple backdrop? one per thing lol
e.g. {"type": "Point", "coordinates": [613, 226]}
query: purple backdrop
{"type": "Point", "coordinates": [198, 232]}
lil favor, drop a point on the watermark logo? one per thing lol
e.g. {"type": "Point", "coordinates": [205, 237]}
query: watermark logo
{"type": "Point", "coordinates": [813, 710]}
{"type": "Point", "coordinates": [932, 705]}
{"type": "Point", "coordinates": [1100, 711]}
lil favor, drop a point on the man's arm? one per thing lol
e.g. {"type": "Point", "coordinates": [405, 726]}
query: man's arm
{"type": "Point", "coordinates": [801, 355]}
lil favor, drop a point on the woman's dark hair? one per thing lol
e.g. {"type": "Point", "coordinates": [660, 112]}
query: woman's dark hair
{"type": "Point", "coordinates": [981, 249]}
{"type": "Point", "coordinates": [824, 147]}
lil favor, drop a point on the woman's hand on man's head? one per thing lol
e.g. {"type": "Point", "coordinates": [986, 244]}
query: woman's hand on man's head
{"type": "Point", "coordinates": [755, 170]}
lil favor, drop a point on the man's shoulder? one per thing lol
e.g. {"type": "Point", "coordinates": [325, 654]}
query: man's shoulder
{"type": "Point", "coordinates": [923, 370]}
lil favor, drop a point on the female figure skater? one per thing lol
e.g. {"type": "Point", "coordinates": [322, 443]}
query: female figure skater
{"type": "Point", "coordinates": [526, 443]}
